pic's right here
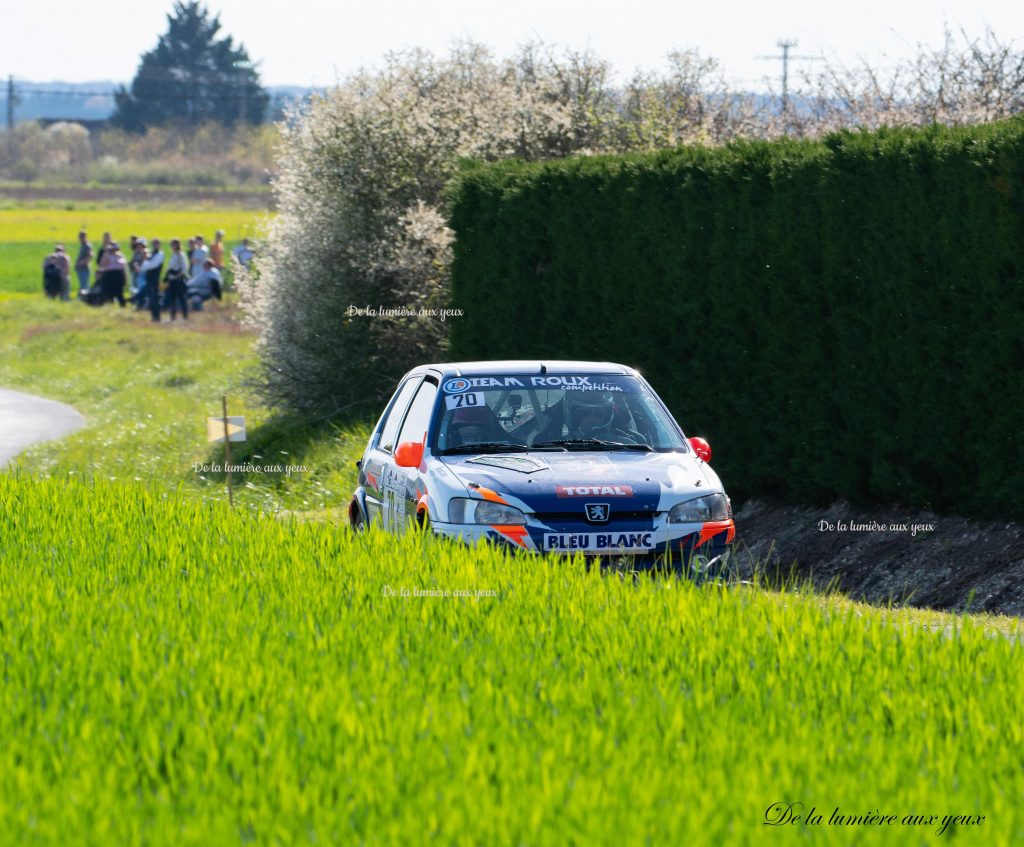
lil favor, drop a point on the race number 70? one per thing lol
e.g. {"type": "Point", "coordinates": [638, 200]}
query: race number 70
{"type": "Point", "coordinates": [464, 401]}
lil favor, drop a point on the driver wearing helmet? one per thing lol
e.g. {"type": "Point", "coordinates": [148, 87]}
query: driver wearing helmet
{"type": "Point", "coordinates": [588, 414]}
{"type": "Point", "coordinates": [473, 425]}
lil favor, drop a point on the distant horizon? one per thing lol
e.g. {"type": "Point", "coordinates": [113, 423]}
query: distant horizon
{"type": "Point", "coordinates": [116, 82]}
{"type": "Point", "coordinates": [91, 106]}
{"type": "Point", "coordinates": [38, 100]}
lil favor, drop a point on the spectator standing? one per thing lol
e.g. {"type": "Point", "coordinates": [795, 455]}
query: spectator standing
{"type": "Point", "coordinates": [199, 255]}
{"type": "Point", "coordinates": [190, 251]}
{"type": "Point", "coordinates": [217, 250]}
{"type": "Point", "coordinates": [104, 246]}
{"type": "Point", "coordinates": [150, 271]}
{"type": "Point", "coordinates": [243, 253]}
{"type": "Point", "coordinates": [217, 257]}
{"type": "Point", "coordinates": [82, 262]}
{"type": "Point", "coordinates": [57, 273]}
{"type": "Point", "coordinates": [140, 254]}
{"type": "Point", "coordinates": [113, 268]}
{"type": "Point", "coordinates": [176, 275]}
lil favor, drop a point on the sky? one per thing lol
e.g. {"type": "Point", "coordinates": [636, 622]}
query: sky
{"type": "Point", "coordinates": [318, 42]}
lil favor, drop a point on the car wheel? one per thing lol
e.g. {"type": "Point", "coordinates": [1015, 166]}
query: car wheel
{"type": "Point", "coordinates": [424, 521]}
{"type": "Point", "coordinates": [356, 519]}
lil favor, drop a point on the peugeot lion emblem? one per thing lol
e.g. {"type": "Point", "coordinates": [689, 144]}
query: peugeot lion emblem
{"type": "Point", "coordinates": [597, 512]}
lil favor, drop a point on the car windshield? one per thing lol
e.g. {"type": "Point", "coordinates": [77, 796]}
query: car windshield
{"type": "Point", "coordinates": [552, 412]}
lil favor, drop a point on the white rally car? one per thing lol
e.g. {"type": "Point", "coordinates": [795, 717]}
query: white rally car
{"type": "Point", "coordinates": [553, 457]}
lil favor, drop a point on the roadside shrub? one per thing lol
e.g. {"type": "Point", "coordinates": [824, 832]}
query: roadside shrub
{"type": "Point", "coordinates": [842, 319]}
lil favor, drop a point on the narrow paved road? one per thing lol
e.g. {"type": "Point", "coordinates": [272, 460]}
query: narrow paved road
{"type": "Point", "coordinates": [26, 420]}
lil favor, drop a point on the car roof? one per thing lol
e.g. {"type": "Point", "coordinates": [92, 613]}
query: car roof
{"type": "Point", "coordinates": [519, 366]}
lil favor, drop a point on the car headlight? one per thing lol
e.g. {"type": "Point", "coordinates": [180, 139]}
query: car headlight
{"type": "Point", "coordinates": [713, 507]}
{"type": "Point", "coordinates": [465, 510]}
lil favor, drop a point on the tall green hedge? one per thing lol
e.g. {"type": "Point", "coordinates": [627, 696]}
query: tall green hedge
{"type": "Point", "coordinates": [841, 319]}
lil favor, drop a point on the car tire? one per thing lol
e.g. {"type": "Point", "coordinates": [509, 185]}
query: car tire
{"type": "Point", "coordinates": [357, 522]}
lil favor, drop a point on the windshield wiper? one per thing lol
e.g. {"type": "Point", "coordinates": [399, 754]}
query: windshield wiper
{"type": "Point", "coordinates": [594, 444]}
{"type": "Point", "coordinates": [486, 447]}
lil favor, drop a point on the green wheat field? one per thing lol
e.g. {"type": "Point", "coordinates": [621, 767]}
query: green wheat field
{"type": "Point", "coordinates": [178, 673]}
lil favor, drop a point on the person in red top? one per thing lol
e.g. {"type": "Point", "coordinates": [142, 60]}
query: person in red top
{"type": "Point", "coordinates": [217, 250]}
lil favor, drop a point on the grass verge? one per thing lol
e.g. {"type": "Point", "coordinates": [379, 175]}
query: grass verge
{"type": "Point", "coordinates": [146, 392]}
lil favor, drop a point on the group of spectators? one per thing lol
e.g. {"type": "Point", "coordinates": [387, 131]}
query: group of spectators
{"type": "Point", "coordinates": [193, 275]}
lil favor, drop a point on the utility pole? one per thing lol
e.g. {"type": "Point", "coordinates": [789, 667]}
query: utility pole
{"type": "Point", "coordinates": [786, 44]}
{"type": "Point", "coordinates": [10, 103]}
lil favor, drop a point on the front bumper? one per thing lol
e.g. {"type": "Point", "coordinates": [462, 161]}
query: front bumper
{"type": "Point", "coordinates": [688, 547]}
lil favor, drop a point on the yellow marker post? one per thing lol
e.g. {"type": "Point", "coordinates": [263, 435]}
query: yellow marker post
{"type": "Point", "coordinates": [215, 428]}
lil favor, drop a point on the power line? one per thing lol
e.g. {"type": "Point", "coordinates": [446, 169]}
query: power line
{"type": "Point", "coordinates": [76, 93]}
{"type": "Point", "coordinates": [199, 94]}
{"type": "Point", "coordinates": [209, 78]}
{"type": "Point", "coordinates": [155, 95]}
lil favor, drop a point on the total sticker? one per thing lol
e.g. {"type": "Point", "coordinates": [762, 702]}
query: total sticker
{"type": "Point", "coordinates": [473, 400]}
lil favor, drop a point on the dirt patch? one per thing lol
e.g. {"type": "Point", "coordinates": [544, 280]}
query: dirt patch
{"type": "Point", "coordinates": [216, 326]}
{"type": "Point", "coordinates": [888, 554]}
{"type": "Point", "coordinates": [215, 318]}
{"type": "Point", "coordinates": [43, 329]}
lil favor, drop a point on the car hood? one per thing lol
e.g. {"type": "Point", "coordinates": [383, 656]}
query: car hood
{"type": "Point", "coordinates": [564, 482]}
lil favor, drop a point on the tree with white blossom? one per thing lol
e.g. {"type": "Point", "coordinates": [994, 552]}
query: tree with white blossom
{"type": "Point", "coordinates": [360, 189]}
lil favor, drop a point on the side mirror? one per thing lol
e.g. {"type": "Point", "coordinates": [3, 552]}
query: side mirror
{"type": "Point", "coordinates": [515, 402]}
{"type": "Point", "coordinates": [409, 454]}
{"type": "Point", "coordinates": [701, 448]}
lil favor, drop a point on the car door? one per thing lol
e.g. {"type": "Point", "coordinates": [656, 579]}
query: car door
{"type": "Point", "coordinates": [403, 485]}
{"type": "Point", "coordinates": [382, 448]}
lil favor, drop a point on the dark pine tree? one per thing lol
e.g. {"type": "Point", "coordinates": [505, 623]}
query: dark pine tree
{"type": "Point", "coordinates": [192, 77]}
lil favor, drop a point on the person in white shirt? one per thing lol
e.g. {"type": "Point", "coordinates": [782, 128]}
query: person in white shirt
{"type": "Point", "coordinates": [150, 272]}
{"type": "Point", "coordinates": [199, 255]}
{"type": "Point", "coordinates": [177, 274]}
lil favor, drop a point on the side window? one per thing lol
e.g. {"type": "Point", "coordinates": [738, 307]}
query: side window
{"type": "Point", "coordinates": [418, 419]}
{"type": "Point", "coordinates": [394, 417]}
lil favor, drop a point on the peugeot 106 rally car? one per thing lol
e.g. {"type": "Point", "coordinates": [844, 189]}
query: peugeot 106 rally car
{"type": "Point", "coordinates": [554, 457]}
